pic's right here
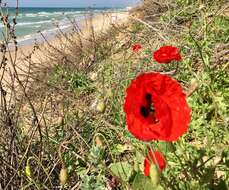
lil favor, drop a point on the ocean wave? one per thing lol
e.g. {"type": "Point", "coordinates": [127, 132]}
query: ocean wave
{"type": "Point", "coordinates": [49, 13]}
{"type": "Point", "coordinates": [29, 15]}
{"type": "Point", "coordinates": [47, 32]}
{"type": "Point", "coordinates": [31, 23]}
{"type": "Point", "coordinates": [34, 23]}
{"type": "Point", "coordinates": [55, 30]}
{"type": "Point", "coordinates": [53, 14]}
{"type": "Point", "coordinates": [59, 13]}
{"type": "Point", "coordinates": [53, 20]}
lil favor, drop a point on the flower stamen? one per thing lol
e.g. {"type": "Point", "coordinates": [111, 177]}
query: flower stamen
{"type": "Point", "coordinates": [148, 110]}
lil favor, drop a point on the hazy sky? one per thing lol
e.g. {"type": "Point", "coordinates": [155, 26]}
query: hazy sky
{"type": "Point", "coordinates": [72, 3]}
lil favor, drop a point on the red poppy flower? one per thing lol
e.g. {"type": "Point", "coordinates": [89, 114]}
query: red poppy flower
{"type": "Point", "coordinates": [156, 158]}
{"type": "Point", "coordinates": [166, 54]}
{"type": "Point", "coordinates": [156, 108]}
{"type": "Point", "coordinates": [136, 47]}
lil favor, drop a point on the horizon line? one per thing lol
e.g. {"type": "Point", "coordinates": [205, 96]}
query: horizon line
{"type": "Point", "coordinates": [70, 7]}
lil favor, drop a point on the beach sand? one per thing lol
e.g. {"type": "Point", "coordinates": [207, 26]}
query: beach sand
{"type": "Point", "coordinates": [25, 59]}
{"type": "Point", "coordinates": [100, 23]}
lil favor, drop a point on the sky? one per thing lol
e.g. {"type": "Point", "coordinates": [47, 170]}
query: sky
{"type": "Point", "coordinates": [72, 3]}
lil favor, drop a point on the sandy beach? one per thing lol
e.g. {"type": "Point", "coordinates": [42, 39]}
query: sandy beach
{"type": "Point", "coordinates": [28, 58]}
{"type": "Point", "coordinates": [99, 22]}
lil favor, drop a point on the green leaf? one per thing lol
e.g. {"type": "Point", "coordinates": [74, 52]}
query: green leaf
{"type": "Point", "coordinates": [144, 183]}
{"type": "Point", "coordinates": [119, 149]}
{"type": "Point", "coordinates": [96, 154]}
{"type": "Point", "coordinates": [159, 188]}
{"type": "Point", "coordinates": [138, 161]}
{"type": "Point", "coordinates": [166, 146]}
{"type": "Point", "coordinates": [122, 170]}
{"type": "Point", "coordinates": [140, 157]}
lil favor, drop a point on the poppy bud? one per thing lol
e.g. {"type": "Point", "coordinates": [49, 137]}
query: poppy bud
{"type": "Point", "coordinates": [28, 172]}
{"type": "Point", "coordinates": [60, 120]}
{"type": "Point", "coordinates": [193, 83]}
{"type": "Point", "coordinates": [155, 175]}
{"type": "Point", "coordinates": [101, 107]}
{"type": "Point", "coordinates": [192, 87]}
{"type": "Point", "coordinates": [98, 141]}
{"type": "Point", "coordinates": [63, 176]}
{"type": "Point", "coordinates": [154, 159]}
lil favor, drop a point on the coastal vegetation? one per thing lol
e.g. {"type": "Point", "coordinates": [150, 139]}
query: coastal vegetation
{"type": "Point", "coordinates": [62, 122]}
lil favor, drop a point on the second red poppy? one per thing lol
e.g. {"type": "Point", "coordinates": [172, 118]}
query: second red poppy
{"type": "Point", "coordinates": [166, 54]}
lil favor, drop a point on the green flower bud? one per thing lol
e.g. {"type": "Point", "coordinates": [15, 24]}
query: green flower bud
{"type": "Point", "coordinates": [63, 176]}
{"type": "Point", "coordinates": [28, 172]}
{"type": "Point", "coordinates": [101, 107]}
{"type": "Point", "coordinates": [155, 174]}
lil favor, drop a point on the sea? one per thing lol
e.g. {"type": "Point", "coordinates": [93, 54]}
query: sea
{"type": "Point", "coordinates": [48, 21]}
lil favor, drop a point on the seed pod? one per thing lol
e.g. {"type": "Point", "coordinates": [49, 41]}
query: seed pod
{"type": "Point", "coordinates": [155, 174]}
{"type": "Point", "coordinates": [63, 176]}
{"type": "Point", "coordinates": [192, 87]}
{"type": "Point", "coordinates": [194, 83]}
{"type": "Point", "coordinates": [28, 172]}
{"type": "Point", "coordinates": [98, 141]}
{"type": "Point", "coordinates": [101, 107]}
{"type": "Point", "coordinates": [60, 120]}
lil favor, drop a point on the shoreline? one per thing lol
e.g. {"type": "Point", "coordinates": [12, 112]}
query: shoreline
{"type": "Point", "coordinates": [101, 22]}
{"type": "Point", "coordinates": [26, 54]}
{"type": "Point", "coordinates": [52, 33]}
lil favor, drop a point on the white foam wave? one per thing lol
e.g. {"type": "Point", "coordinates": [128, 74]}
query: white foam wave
{"type": "Point", "coordinates": [34, 23]}
{"type": "Point", "coordinates": [54, 30]}
{"type": "Point", "coordinates": [26, 37]}
{"type": "Point", "coordinates": [47, 14]}
{"type": "Point", "coordinates": [48, 32]}
{"type": "Point", "coordinates": [30, 15]}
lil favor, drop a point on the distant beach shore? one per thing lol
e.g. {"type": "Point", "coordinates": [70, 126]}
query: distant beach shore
{"type": "Point", "coordinates": [31, 22]}
{"type": "Point", "coordinates": [99, 18]}
{"type": "Point", "coordinates": [100, 22]}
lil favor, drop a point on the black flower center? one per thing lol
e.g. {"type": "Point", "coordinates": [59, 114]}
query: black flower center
{"type": "Point", "coordinates": [144, 111]}
{"type": "Point", "coordinates": [148, 97]}
{"type": "Point", "coordinates": [148, 109]}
